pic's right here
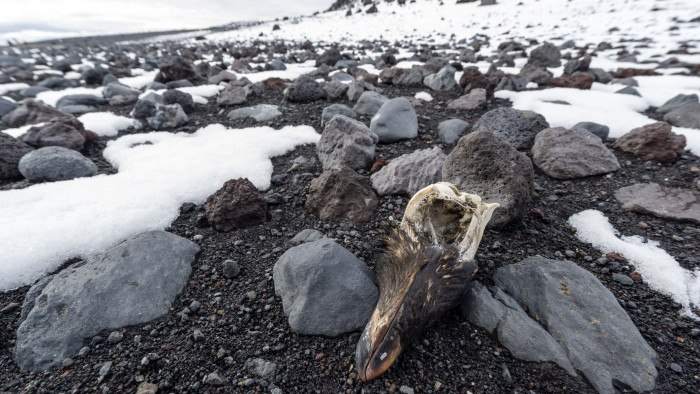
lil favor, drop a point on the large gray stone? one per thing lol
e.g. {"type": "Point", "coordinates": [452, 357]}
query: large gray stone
{"type": "Point", "coordinates": [518, 128]}
{"type": "Point", "coordinates": [521, 335]}
{"type": "Point", "coordinates": [260, 112]}
{"type": "Point", "coordinates": [346, 141]}
{"type": "Point", "coordinates": [484, 164]}
{"type": "Point", "coordinates": [409, 173]}
{"type": "Point", "coordinates": [131, 283]}
{"type": "Point", "coordinates": [685, 116]}
{"type": "Point", "coordinates": [545, 55]}
{"type": "Point", "coordinates": [325, 289]}
{"type": "Point", "coordinates": [602, 131]}
{"type": "Point", "coordinates": [369, 103]}
{"type": "Point", "coordinates": [395, 120]}
{"type": "Point", "coordinates": [451, 129]}
{"type": "Point", "coordinates": [336, 109]}
{"type": "Point", "coordinates": [682, 205]}
{"type": "Point", "coordinates": [11, 151]}
{"type": "Point", "coordinates": [442, 80]}
{"type": "Point", "coordinates": [571, 154]}
{"type": "Point", "coordinates": [585, 318]}
{"type": "Point", "coordinates": [55, 163]}
{"type": "Point", "coordinates": [677, 102]}
{"type": "Point", "coordinates": [304, 90]}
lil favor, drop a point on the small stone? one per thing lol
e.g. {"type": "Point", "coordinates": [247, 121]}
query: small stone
{"type": "Point", "coordinates": [115, 337]}
{"type": "Point", "coordinates": [9, 307]}
{"type": "Point", "coordinates": [104, 370]}
{"type": "Point", "coordinates": [147, 388]}
{"type": "Point", "coordinates": [406, 390]}
{"type": "Point", "coordinates": [675, 368]}
{"type": "Point", "coordinates": [195, 306]}
{"type": "Point", "coordinates": [623, 279]}
{"type": "Point", "coordinates": [67, 363]}
{"type": "Point", "coordinates": [231, 269]}
{"type": "Point", "coordinates": [570, 253]}
{"type": "Point", "coordinates": [214, 379]}
{"type": "Point", "coordinates": [197, 335]}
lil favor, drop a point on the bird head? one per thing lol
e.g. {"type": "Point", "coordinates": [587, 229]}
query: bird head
{"type": "Point", "coordinates": [428, 263]}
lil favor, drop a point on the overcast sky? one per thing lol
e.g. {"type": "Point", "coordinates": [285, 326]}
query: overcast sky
{"type": "Point", "coordinates": [31, 20]}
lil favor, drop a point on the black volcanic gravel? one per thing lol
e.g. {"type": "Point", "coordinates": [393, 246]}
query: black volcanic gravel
{"type": "Point", "coordinates": [243, 316]}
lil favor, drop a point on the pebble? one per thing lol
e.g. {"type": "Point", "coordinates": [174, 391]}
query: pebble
{"type": "Point", "coordinates": [406, 390]}
{"type": "Point", "coordinates": [695, 332]}
{"type": "Point", "coordinates": [104, 370]}
{"type": "Point", "coordinates": [198, 237]}
{"type": "Point", "coordinates": [195, 306]}
{"type": "Point", "coordinates": [623, 279]}
{"type": "Point", "coordinates": [83, 351]}
{"type": "Point", "coordinates": [570, 253]}
{"type": "Point", "coordinates": [675, 368]}
{"type": "Point", "coordinates": [197, 335]}
{"type": "Point", "coordinates": [67, 363]}
{"type": "Point", "coordinates": [231, 269]}
{"type": "Point", "coordinates": [213, 379]}
{"type": "Point", "coordinates": [115, 337]}
{"type": "Point", "coordinates": [9, 307]}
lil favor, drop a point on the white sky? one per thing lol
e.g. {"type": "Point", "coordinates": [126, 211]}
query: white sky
{"type": "Point", "coordinates": [32, 20]}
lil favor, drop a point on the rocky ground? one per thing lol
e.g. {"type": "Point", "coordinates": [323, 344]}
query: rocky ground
{"type": "Point", "coordinates": [222, 322]}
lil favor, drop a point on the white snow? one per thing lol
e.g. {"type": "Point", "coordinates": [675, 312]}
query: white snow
{"type": "Point", "coordinates": [141, 79]}
{"type": "Point", "coordinates": [425, 96]}
{"type": "Point", "coordinates": [659, 269]}
{"type": "Point", "coordinates": [45, 224]}
{"type": "Point", "coordinates": [106, 123]}
{"type": "Point", "coordinates": [292, 72]}
{"type": "Point", "coordinates": [11, 87]}
{"type": "Point", "coordinates": [21, 130]}
{"type": "Point", "coordinates": [51, 97]}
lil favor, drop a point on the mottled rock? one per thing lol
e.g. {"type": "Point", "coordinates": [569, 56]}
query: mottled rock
{"type": "Point", "coordinates": [340, 193]}
{"type": "Point", "coordinates": [261, 368]}
{"type": "Point", "coordinates": [576, 81]}
{"type": "Point", "coordinates": [237, 204]}
{"type": "Point", "coordinates": [570, 154]}
{"type": "Point", "coordinates": [325, 290]}
{"type": "Point", "coordinates": [538, 75]}
{"type": "Point", "coordinates": [395, 120]}
{"type": "Point", "coordinates": [518, 128]}
{"type": "Point", "coordinates": [681, 205]}
{"type": "Point", "coordinates": [55, 163]}
{"type": "Point", "coordinates": [484, 164]}
{"type": "Point", "coordinates": [409, 173]}
{"type": "Point", "coordinates": [6, 106]}
{"type": "Point", "coordinates": [654, 142]}
{"type": "Point", "coordinates": [346, 141]}
{"type": "Point", "coordinates": [442, 80]}
{"type": "Point", "coordinates": [304, 90]}
{"type": "Point", "coordinates": [116, 89]}
{"type": "Point", "coordinates": [65, 131]}
{"type": "Point", "coordinates": [177, 97]}
{"type": "Point", "coordinates": [176, 68]}
{"type": "Point", "coordinates": [473, 100]}
{"type": "Point", "coordinates": [167, 117]}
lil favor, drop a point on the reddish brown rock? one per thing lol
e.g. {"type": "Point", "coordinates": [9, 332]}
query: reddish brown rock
{"type": "Point", "coordinates": [237, 204]}
{"type": "Point", "coordinates": [340, 193]}
{"type": "Point", "coordinates": [66, 131]}
{"type": "Point", "coordinates": [473, 79]}
{"type": "Point", "coordinates": [577, 81]}
{"type": "Point", "coordinates": [654, 142]}
{"type": "Point", "coordinates": [275, 84]}
{"type": "Point", "coordinates": [633, 72]}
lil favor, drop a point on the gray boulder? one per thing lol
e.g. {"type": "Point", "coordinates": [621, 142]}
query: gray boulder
{"type": "Point", "coordinates": [260, 112]}
{"type": "Point", "coordinates": [602, 131]}
{"type": "Point", "coordinates": [451, 129]}
{"type": "Point", "coordinates": [167, 117]}
{"type": "Point", "coordinates": [185, 100]}
{"type": "Point", "coordinates": [681, 205]}
{"type": "Point", "coordinates": [442, 80]}
{"type": "Point", "coordinates": [409, 173]}
{"type": "Point", "coordinates": [395, 120]}
{"type": "Point", "coordinates": [586, 319]}
{"type": "Point", "coordinates": [304, 90]}
{"type": "Point", "coordinates": [117, 89]}
{"type": "Point", "coordinates": [486, 165]}
{"type": "Point", "coordinates": [685, 116]}
{"type": "Point", "coordinates": [369, 103]}
{"type": "Point", "coordinates": [346, 141]}
{"type": "Point", "coordinates": [11, 151]}
{"type": "Point", "coordinates": [518, 128]}
{"type": "Point", "coordinates": [131, 283]}
{"type": "Point", "coordinates": [336, 109]}
{"type": "Point", "coordinates": [571, 154]}
{"type": "Point", "coordinates": [677, 102]}
{"type": "Point", "coordinates": [325, 289]}
{"type": "Point", "coordinates": [55, 163]}
{"type": "Point", "coordinates": [545, 55]}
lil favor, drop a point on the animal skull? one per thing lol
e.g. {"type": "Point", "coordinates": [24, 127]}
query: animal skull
{"type": "Point", "coordinates": [445, 215]}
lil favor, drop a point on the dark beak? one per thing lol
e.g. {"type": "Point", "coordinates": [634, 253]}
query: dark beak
{"type": "Point", "coordinates": [379, 345]}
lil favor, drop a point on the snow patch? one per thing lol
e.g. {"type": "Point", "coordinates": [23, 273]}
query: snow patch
{"type": "Point", "coordinates": [106, 123]}
{"type": "Point", "coordinates": [11, 87]}
{"type": "Point", "coordinates": [51, 97]}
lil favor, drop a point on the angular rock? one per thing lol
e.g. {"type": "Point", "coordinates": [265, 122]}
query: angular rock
{"type": "Point", "coordinates": [31, 112]}
{"type": "Point", "coordinates": [346, 141]}
{"type": "Point", "coordinates": [260, 112]}
{"type": "Point", "coordinates": [176, 68]}
{"type": "Point", "coordinates": [484, 164]}
{"type": "Point", "coordinates": [472, 79]}
{"type": "Point", "coordinates": [177, 97]}
{"type": "Point", "coordinates": [80, 99]}
{"type": "Point", "coordinates": [582, 81]}
{"type": "Point", "coordinates": [325, 290]}
{"type": "Point", "coordinates": [306, 235]}
{"type": "Point", "coordinates": [682, 205]}
{"type": "Point", "coordinates": [65, 131]}
{"type": "Point", "coordinates": [329, 57]}
{"type": "Point", "coordinates": [538, 75]}
{"type": "Point", "coordinates": [369, 103]}
{"type": "Point", "coordinates": [685, 116]}
{"type": "Point", "coordinates": [442, 80]}
{"type": "Point", "coordinates": [167, 117]}
{"type": "Point", "coordinates": [222, 76]}
{"type": "Point", "coordinates": [677, 102]}
{"type": "Point", "coordinates": [473, 100]}
{"type": "Point", "coordinates": [11, 151]}
{"type": "Point", "coordinates": [654, 142]}
{"type": "Point", "coordinates": [629, 90]}
{"type": "Point", "coordinates": [545, 55]}
{"type": "Point", "coordinates": [450, 130]}
{"type": "Point", "coordinates": [414, 77]}
{"type": "Point", "coordinates": [409, 173]}
{"type": "Point", "coordinates": [304, 90]}
{"type": "Point", "coordinates": [335, 89]}
{"type": "Point", "coordinates": [237, 204]}
{"type": "Point", "coordinates": [570, 154]}
{"type": "Point", "coordinates": [336, 109]}
{"type": "Point", "coordinates": [518, 128]}
{"type": "Point", "coordinates": [231, 95]}
{"type": "Point", "coordinates": [339, 194]}
{"type": "Point", "coordinates": [117, 89]}
{"type": "Point", "coordinates": [55, 163]}
{"type": "Point", "coordinates": [261, 368]}
{"type": "Point", "coordinates": [395, 120]}
{"type": "Point", "coordinates": [602, 131]}
{"type": "Point", "coordinates": [131, 283]}
{"type": "Point", "coordinates": [585, 318]}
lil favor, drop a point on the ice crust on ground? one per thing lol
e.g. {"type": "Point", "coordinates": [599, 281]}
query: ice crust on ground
{"type": "Point", "coordinates": [45, 224]}
{"type": "Point", "coordinates": [106, 123]}
{"type": "Point", "coordinates": [658, 268]}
